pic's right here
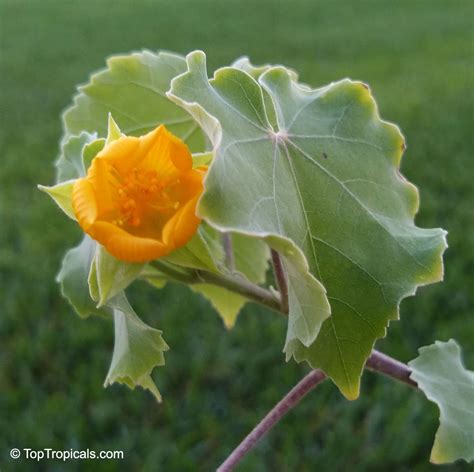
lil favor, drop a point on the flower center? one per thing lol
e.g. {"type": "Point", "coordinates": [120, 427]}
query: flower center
{"type": "Point", "coordinates": [140, 192]}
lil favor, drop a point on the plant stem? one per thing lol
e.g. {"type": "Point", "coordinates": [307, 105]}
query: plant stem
{"type": "Point", "coordinates": [242, 286]}
{"type": "Point", "coordinates": [174, 272]}
{"type": "Point", "coordinates": [280, 277]}
{"type": "Point", "coordinates": [291, 399]}
{"type": "Point", "coordinates": [235, 283]}
{"type": "Point", "coordinates": [377, 362]}
{"type": "Point", "coordinates": [386, 365]}
{"type": "Point", "coordinates": [228, 251]}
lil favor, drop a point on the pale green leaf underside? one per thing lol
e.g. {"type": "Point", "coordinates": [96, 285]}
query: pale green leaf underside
{"type": "Point", "coordinates": [132, 88]}
{"type": "Point", "coordinates": [71, 163]}
{"type": "Point", "coordinates": [440, 374]}
{"type": "Point", "coordinates": [138, 349]}
{"type": "Point", "coordinates": [73, 278]}
{"type": "Point", "coordinates": [324, 183]}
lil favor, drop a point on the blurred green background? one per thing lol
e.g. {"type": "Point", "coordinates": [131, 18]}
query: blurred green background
{"type": "Point", "coordinates": [417, 57]}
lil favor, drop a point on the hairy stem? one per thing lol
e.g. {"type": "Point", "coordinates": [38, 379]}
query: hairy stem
{"type": "Point", "coordinates": [377, 362]}
{"type": "Point", "coordinates": [386, 365]}
{"type": "Point", "coordinates": [179, 274]}
{"type": "Point", "coordinates": [291, 399]}
{"type": "Point", "coordinates": [280, 277]}
{"type": "Point", "coordinates": [235, 283]}
{"type": "Point", "coordinates": [242, 286]}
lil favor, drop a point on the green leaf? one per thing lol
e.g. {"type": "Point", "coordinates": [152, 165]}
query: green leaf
{"type": "Point", "coordinates": [138, 349]}
{"type": "Point", "coordinates": [70, 164]}
{"type": "Point", "coordinates": [202, 158]}
{"type": "Point", "coordinates": [323, 188]}
{"type": "Point", "coordinates": [154, 277]}
{"type": "Point", "coordinates": [250, 257]}
{"type": "Point", "coordinates": [243, 63]}
{"type": "Point", "coordinates": [112, 275]}
{"type": "Point", "coordinates": [92, 279]}
{"type": "Point", "coordinates": [220, 204]}
{"type": "Point", "coordinates": [133, 87]}
{"type": "Point", "coordinates": [90, 150]}
{"type": "Point", "coordinates": [440, 374]}
{"type": "Point", "coordinates": [73, 278]}
{"type": "Point", "coordinates": [62, 195]}
{"type": "Point", "coordinates": [204, 251]}
{"type": "Point", "coordinates": [228, 304]}
{"type": "Point", "coordinates": [113, 130]}
{"type": "Point", "coordinates": [76, 156]}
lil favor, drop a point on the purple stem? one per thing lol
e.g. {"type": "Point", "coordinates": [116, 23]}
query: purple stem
{"type": "Point", "coordinates": [377, 362]}
{"type": "Point", "coordinates": [291, 399]}
{"type": "Point", "coordinates": [386, 365]}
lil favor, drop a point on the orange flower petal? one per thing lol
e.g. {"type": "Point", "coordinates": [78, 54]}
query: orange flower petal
{"type": "Point", "coordinates": [180, 155]}
{"type": "Point", "coordinates": [84, 203]}
{"type": "Point", "coordinates": [139, 196]}
{"type": "Point", "coordinates": [105, 186]}
{"type": "Point", "coordinates": [125, 246]}
{"type": "Point", "coordinates": [182, 226]}
{"type": "Point", "coordinates": [122, 153]}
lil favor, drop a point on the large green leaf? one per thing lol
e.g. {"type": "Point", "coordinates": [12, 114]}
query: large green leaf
{"type": "Point", "coordinates": [440, 374]}
{"type": "Point", "coordinates": [138, 349]}
{"type": "Point", "coordinates": [73, 278]}
{"type": "Point", "coordinates": [323, 188]}
{"type": "Point", "coordinates": [132, 88]}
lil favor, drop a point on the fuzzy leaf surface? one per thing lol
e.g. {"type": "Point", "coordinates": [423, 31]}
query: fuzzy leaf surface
{"type": "Point", "coordinates": [323, 188]}
{"type": "Point", "coordinates": [132, 88]}
{"type": "Point", "coordinates": [70, 163]}
{"type": "Point", "coordinates": [138, 349]}
{"type": "Point", "coordinates": [73, 279]}
{"type": "Point", "coordinates": [440, 374]}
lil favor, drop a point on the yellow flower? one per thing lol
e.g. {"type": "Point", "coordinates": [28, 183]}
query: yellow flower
{"type": "Point", "coordinates": [139, 196]}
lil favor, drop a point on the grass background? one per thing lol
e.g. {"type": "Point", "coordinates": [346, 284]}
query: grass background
{"type": "Point", "coordinates": [417, 57]}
